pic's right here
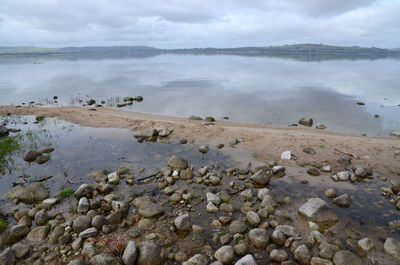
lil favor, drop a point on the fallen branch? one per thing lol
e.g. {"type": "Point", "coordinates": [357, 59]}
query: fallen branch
{"type": "Point", "coordinates": [151, 176]}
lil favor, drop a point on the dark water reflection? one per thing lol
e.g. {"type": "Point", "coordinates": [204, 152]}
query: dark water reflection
{"type": "Point", "coordinates": [246, 89]}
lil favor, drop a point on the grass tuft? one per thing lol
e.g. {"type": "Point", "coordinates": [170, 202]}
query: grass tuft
{"type": "Point", "coordinates": [66, 193]}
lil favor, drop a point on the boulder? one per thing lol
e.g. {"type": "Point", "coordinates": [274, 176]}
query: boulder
{"type": "Point", "coordinates": [85, 190]}
{"type": "Point", "coordinates": [343, 201]}
{"type": "Point", "coordinates": [38, 233]}
{"type": "Point", "coordinates": [81, 223]}
{"type": "Point", "coordinates": [308, 122]}
{"type": "Point", "coordinates": [130, 254]}
{"type": "Point", "coordinates": [261, 177]}
{"type": "Point", "coordinates": [149, 253]}
{"type": "Point", "coordinates": [224, 254]}
{"type": "Point", "coordinates": [150, 209]}
{"type": "Point", "coordinates": [17, 233]}
{"type": "Point", "coordinates": [182, 222]}
{"type": "Point", "coordinates": [345, 257]}
{"type": "Point", "coordinates": [318, 211]}
{"type": "Point", "coordinates": [31, 156]}
{"type": "Point", "coordinates": [32, 194]}
{"type": "Point", "coordinates": [392, 247]}
{"type": "Point", "coordinates": [259, 238]}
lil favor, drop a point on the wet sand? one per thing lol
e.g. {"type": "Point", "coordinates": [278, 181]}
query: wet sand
{"type": "Point", "coordinates": [264, 142]}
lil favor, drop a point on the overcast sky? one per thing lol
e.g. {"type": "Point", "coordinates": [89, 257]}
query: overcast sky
{"type": "Point", "coordinates": [199, 23]}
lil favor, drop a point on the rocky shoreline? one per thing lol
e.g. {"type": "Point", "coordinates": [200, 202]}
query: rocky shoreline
{"type": "Point", "coordinates": [194, 214]}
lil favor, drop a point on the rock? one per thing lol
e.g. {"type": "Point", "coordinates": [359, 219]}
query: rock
{"type": "Point", "coordinates": [146, 133]}
{"type": "Point", "coordinates": [20, 250]}
{"type": "Point", "coordinates": [149, 254]}
{"type": "Point", "coordinates": [392, 247]}
{"type": "Point", "coordinates": [130, 254]}
{"type": "Point", "coordinates": [32, 194]}
{"type": "Point", "coordinates": [344, 175]}
{"type": "Point", "coordinates": [320, 126]}
{"type": "Point", "coordinates": [81, 223]}
{"type": "Point", "coordinates": [103, 259]}
{"type": "Point", "coordinates": [76, 262]}
{"type": "Point", "coordinates": [319, 261]}
{"type": "Point", "coordinates": [360, 172]}
{"type": "Point", "coordinates": [215, 180]}
{"type": "Point", "coordinates": [395, 185]}
{"type": "Point", "coordinates": [56, 234]}
{"type": "Point", "coordinates": [48, 203]}
{"type": "Point", "coordinates": [287, 155]}
{"type": "Point", "coordinates": [343, 201]}
{"type": "Point", "coordinates": [253, 219]}
{"type": "Point", "coordinates": [288, 230]}
{"type": "Point", "coordinates": [77, 244]}
{"type": "Point", "coordinates": [139, 98]}
{"type": "Point", "coordinates": [345, 257]}
{"type": "Point", "coordinates": [98, 221]}
{"type": "Point", "coordinates": [7, 257]}
{"type": "Point", "coordinates": [203, 149]}
{"type": "Point", "coordinates": [89, 249]}
{"type": "Point", "coordinates": [278, 170]}
{"type": "Point", "coordinates": [186, 175]}
{"type": "Point", "coordinates": [195, 118]}
{"type": "Point", "coordinates": [309, 150]}
{"type": "Point", "coordinates": [278, 255]}
{"type": "Point", "coordinates": [182, 222]}
{"type": "Point", "coordinates": [113, 178]}
{"type": "Point", "coordinates": [331, 193]}
{"type": "Point", "coordinates": [237, 227]}
{"type": "Point", "coordinates": [17, 233]}
{"type": "Point", "coordinates": [262, 193]}
{"type": "Point", "coordinates": [268, 201]}
{"type": "Point", "coordinates": [302, 254]}
{"type": "Point", "coordinates": [326, 169]}
{"type": "Point", "coordinates": [126, 99]}
{"type": "Point", "coordinates": [83, 205]}
{"type": "Point", "coordinates": [211, 208]}
{"type": "Point", "coordinates": [246, 260]}
{"type": "Point", "coordinates": [209, 119]}
{"type": "Point", "coordinates": [360, 103]}
{"type": "Point", "coordinates": [313, 171]}
{"type": "Point", "coordinates": [259, 238]}
{"type": "Point", "coordinates": [226, 207]}
{"type": "Point", "coordinates": [25, 220]}
{"type": "Point", "coordinates": [177, 162]}
{"type": "Point", "coordinates": [42, 159]}
{"type": "Point", "coordinates": [90, 232]}
{"type": "Point", "coordinates": [42, 217]}
{"type": "Point", "coordinates": [150, 209]}
{"type": "Point", "coordinates": [164, 132]}
{"type": "Point", "coordinates": [224, 254]}
{"type": "Point", "coordinates": [318, 211]}
{"type": "Point", "coordinates": [366, 244]}
{"type": "Point", "coordinates": [308, 122]}
{"type": "Point", "coordinates": [197, 259]}
{"type": "Point", "coordinates": [84, 191]}
{"type": "Point", "coordinates": [31, 156]}
{"type": "Point", "coordinates": [396, 134]}
{"type": "Point", "coordinates": [211, 197]}
{"type": "Point", "coordinates": [278, 238]}
{"type": "Point", "coordinates": [141, 200]}
{"type": "Point", "coordinates": [3, 131]}
{"type": "Point", "coordinates": [261, 177]}
{"type": "Point", "coordinates": [38, 233]}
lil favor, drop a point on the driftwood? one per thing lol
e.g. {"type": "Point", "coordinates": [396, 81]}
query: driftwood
{"type": "Point", "coordinates": [151, 176]}
{"type": "Point", "coordinates": [346, 153]}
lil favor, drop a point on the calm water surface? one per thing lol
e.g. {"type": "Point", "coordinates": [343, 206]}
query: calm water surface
{"type": "Point", "coordinates": [246, 89]}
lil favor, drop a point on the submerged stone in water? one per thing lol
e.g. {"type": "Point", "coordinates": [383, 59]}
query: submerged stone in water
{"type": "Point", "coordinates": [34, 193]}
{"type": "Point", "coordinates": [31, 156]}
{"type": "Point", "coordinates": [177, 162]}
{"type": "Point", "coordinates": [308, 122]}
{"type": "Point", "coordinates": [318, 211]}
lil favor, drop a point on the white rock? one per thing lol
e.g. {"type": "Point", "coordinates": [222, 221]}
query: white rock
{"type": "Point", "coordinates": [344, 175]}
{"type": "Point", "coordinates": [214, 198]}
{"type": "Point", "coordinates": [287, 155]}
{"type": "Point", "coordinates": [113, 178]}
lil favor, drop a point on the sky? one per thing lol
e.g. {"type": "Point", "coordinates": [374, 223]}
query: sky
{"type": "Point", "coordinates": [199, 23]}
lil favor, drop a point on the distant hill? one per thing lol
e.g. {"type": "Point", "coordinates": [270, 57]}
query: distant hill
{"type": "Point", "coordinates": [297, 51]}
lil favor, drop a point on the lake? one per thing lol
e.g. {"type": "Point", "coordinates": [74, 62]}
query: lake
{"type": "Point", "coordinates": [258, 90]}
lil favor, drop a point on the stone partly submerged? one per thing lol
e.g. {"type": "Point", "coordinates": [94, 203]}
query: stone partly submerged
{"type": "Point", "coordinates": [32, 194]}
{"type": "Point", "coordinates": [318, 211]}
{"type": "Point", "coordinates": [392, 247]}
{"type": "Point", "coordinates": [308, 122]}
{"type": "Point", "coordinates": [396, 134]}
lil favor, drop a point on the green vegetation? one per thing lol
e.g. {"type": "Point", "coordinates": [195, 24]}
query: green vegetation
{"type": "Point", "coordinates": [3, 225]}
{"type": "Point", "coordinates": [8, 144]}
{"type": "Point", "coordinates": [66, 193]}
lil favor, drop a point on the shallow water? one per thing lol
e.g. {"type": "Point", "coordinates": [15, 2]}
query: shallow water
{"type": "Point", "coordinates": [246, 89]}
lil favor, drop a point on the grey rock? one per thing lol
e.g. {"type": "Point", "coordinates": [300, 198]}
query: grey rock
{"type": "Point", "coordinates": [85, 190]}
{"type": "Point", "coordinates": [246, 260]}
{"type": "Point", "coordinates": [259, 238]}
{"type": "Point", "coordinates": [237, 227]}
{"type": "Point", "coordinates": [344, 175]}
{"type": "Point", "coordinates": [182, 222]}
{"type": "Point", "coordinates": [81, 223]}
{"type": "Point", "coordinates": [177, 162]}
{"type": "Point", "coordinates": [343, 201]}
{"type": "Point", "coordinates": [203, 149]}
{"type": "Point", "coordinates": [345, 257]}
{"type": "Point", "coordinates": [20, 250]}
{"type": "Point", "coordinates": [83, 205]}
{"type": "Point", "coordinates": [268, 201]}
{"type": "Point", "coordinates": [146, 133]}
{"type": "Point", "coordinates": [76, 262]}
{"type": "Point", "coordinates": [319, 261]}
{"type": "Point", "coordinates": [309, 150]}
{"type": "Point", "coordinates": [150, 209]}
{"type": "Point", "coordinates": [42, 217]}
{"type": "Point", "coordinates": [318, 211]}
{"type": "Point", "coordinates": [32, 194]}
{"type": "Point", "coordinates": [38, 233]}
{"type": "Point", "coordinates": [103, 259]}
{"type": "Point", "coordinates": [225, 254]}
{"type": "Point", "coordinates": [77, 243]}
{"type": "Point", "coordinates": [261, 177]}
{"type": "Point", "coordinates": [149, 254]}
{"type": "Point", "coordinates": [197, 259]}
{"type": "Point", "coordinates": [253, 219]}
{"type": "Point", "coordinates": [89, 249]}
{"type": "Point", "coordinates": [31, 156]}
{"type": "Point", "coordinates": [17, 233]}
{"type": "Point", "coordinates": [130, 254]}
{"type": "Point", "coordinates": [288, 230]}
{"type": "Point", "coordinates": [56, 234]}
{"type": "Point", "coordinates": [7, 257]}
{"type": "Point", "coordinates": [302, 254]}
{"type": "Point", "coordinates": [90, 232]}
{"type": "Point", "coordinates": [164, 132]}
{"type": "Point", "coordinates": [313, 171]}
{"type": "Point", "coordinates": [278, 255]}
{"type": "Point", "coordinates": [278, 238]}
{"type": "Point", "coordinates": [3, 130]}
{"type": "Point", "coordinates": [209, 119]}
{"type": "Point", "coordinates": [186, 175]}
{"type": "Point", "coordinates": [211, 197]}
{"type": "Point", "coordinates": [392, 247]}
{"type": "Point", "coordinates": [98, 221]}
{"type": "Point", "coordinates": [308, 122]}
{"type": "Point", "coordinates": [366, 244]}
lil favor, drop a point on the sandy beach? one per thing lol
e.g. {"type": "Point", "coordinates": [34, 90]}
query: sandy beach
{"type": "Point", "coordinates": [264, 142]}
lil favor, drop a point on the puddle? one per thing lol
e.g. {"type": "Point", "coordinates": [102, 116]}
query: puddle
{"type": "Point", "coordinates": [81, 150]}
